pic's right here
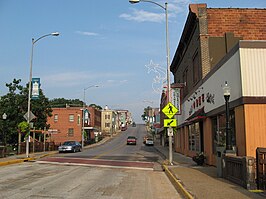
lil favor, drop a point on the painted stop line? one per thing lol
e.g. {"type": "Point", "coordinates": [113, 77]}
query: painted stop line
{"type": "Point", "coordinates": [98, 162]}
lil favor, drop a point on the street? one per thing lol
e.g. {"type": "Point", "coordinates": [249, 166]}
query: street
{"type": "Point", "coordinates": [116, 171]}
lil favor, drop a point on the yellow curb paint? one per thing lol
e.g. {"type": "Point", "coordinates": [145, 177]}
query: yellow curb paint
{"type": "Point", "coordinates": [24, 159]}
{"type": "Point", "coordinates": [177, 184]}
{"type": "Point", "coordinates": [256, 191]}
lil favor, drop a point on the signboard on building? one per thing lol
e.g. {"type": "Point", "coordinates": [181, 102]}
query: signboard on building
{"type": "Point", "coordinates": [177, 99]}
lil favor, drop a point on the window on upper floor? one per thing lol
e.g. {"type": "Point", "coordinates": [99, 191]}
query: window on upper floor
{"type": "Point", "coordinates": [70, 132]}
{"type": "Point", "coordinates": [196, 68]}
{"type": "Point", "coordinates": [185, 80]}
{"type": "Point", "coordinates": [71, 118]}
{"type": "Point", "coordinates": [78, 119]}
{"type": "Point", "coordinates": [107, 125]}
{"type": "Point", "coordinates": [55, 117]}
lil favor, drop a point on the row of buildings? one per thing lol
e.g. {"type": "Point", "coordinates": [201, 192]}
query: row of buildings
{"type": "Point", "coordinates": [220, 46]}
{"type": "Point", "coordinates": [68, 123]}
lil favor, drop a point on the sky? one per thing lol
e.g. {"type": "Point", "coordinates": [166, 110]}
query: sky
{"type": "Point", "coordinates": [120, 47]}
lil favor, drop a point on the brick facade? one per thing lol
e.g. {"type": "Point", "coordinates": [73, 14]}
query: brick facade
{"type": "Point", "coordinates": [66, 124]}
{"type": "Point", "coordinates": [60, 126]}
{"type": "Point", "coordinates": [212, 33]}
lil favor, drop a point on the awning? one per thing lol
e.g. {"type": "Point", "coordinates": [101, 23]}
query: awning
{"type": "Point", "coordinates": [198, 115]}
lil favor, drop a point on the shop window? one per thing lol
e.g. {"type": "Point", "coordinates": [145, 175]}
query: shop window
{"type": "Point", "coordinates": [56, 118]}
{"type": "Point", "coordinates": [194, 137]}
{"type": "Point", "coordinates": [70, 132]}
{"type": "Point", "coordinates": [107, 125]}
{"type": "Point", "coordinates": [71, 118]}
{"type": "Point", "coordinates": [219, 130]}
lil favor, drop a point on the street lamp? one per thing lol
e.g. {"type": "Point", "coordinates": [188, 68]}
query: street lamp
{"type": "Point", "coordinates": [30, 82]}
{"type": "Point", "coordinates": [4, 116]}
{"type": "Point", "coordinates": [227, 90]}
{"type": "Point", "coordinates": [165, 8]}
{"type": "Point", "coordinates": [83, 115]}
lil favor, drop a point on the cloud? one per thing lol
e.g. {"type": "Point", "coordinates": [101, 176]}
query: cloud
{"type": "Point", "coordinates": [174, 7]}
{"type": "Point", "coordinates": [70, 79]}
{"type": "Point", "coordinates": [87, 33]}
{"type": "Point", "coordinates": [142, 16]}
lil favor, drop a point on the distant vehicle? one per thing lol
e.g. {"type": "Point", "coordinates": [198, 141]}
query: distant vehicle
{"type": "Point", "coordinates": [144, 139]}
{"type": "Point", "coordinates": [70, 146]}
{"type": "Point", "coordinates": [131, 140]}
{"type": "Point", "coordinates": [149, 142]}
{"type": "Point", "coordinates": [134, 124]}
{"type": "Point", "coordinates": [123, 128]}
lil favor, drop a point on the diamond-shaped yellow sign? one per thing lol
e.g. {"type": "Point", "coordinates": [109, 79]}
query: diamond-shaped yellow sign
{"type": "Point", "coordinates": [170, 110]}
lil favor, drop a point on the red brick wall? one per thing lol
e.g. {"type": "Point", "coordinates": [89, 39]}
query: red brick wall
{"type": "Point", "coordinates": [247, 23]}
{"type": "Point", "coordinates": [63, 124]}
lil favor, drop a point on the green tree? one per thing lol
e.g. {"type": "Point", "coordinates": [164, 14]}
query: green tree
{"type": "Point", "coordinates": [96, 106]}
{"type": "Point", "coordinates": [62, 102]}
{"type": "Point", "coordinates": [15, 105]}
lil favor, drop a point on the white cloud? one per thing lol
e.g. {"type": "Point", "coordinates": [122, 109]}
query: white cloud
{"type": "Point", "coordinates": [68, 79]}
{"type": "Point", "coordinates": [174, 7]}
{"type": "Point", "coordinates": [142, 16]}
{"type": "Point", "coordinates": [87, 33]}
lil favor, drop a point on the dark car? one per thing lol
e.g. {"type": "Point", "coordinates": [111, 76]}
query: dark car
{"type": "Point", "coordinates": [131, 140]}
{"type": "Point", "coordinates": [70, 146]}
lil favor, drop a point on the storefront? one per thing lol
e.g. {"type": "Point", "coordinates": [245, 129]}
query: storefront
{"type": "Point", "coordinates": [202, 123]}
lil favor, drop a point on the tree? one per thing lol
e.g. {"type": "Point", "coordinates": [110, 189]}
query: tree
{"type": "Point", "coordinates": [96, 106]}
{"type": "Point", "coordinates": [62, 102]}
{"type": "Point", "coordinates": [15, 105]}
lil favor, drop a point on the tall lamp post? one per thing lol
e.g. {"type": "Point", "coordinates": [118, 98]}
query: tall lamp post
{"type": "Point", "coordinates": [165, 8]}
{"type": "Point", "coordinates": [4, 116]}
{"type": "Point", "coordinates": [227, 90]}
{"type": "Point", "coordinates": [83, 115]}
{"type": "Point", "coordinates": [33, 41]}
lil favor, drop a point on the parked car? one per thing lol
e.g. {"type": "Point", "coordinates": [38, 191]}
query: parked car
{"type": "Point", "coordinates": [149, 142]}
{"type": "Point", "coordinates": [70, 146]}
{"type": "Point", "coordinates": [131, 140]}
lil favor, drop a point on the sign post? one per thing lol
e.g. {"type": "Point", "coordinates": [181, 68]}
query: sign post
{"type": "Point", "coordinates": [170, 110]}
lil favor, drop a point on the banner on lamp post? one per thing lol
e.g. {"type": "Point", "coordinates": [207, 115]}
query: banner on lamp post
{"type": "Point", "coordinates": [35, 88]}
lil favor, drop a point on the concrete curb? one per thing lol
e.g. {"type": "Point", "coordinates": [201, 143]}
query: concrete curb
{"type": "Point", "coordinates": [16, 161]}
{"type": "Point", "coordinates": [176, 183]}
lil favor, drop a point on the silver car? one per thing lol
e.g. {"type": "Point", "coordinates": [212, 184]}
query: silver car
{"type": "Point", "coordinates": [149, 141]}
{"type": "Point", "coordinates": [70, 146]}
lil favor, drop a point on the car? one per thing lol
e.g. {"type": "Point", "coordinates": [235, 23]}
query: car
{"type": "Point", "coordinates": [149, 142]}
{"type": "Point", "coordinates": [70, 146]}
{"type": "Point", "coordinates": [123, 128]}
{"type": "Point", "coordinates": [134, 124]}
{"type": "Point", "coordinates": [131, 140]}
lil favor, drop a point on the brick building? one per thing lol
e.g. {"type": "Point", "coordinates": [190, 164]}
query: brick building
{"type": "Point", "coordinates": [67, 123]}
{"type": "Point", "coordinates": [218, 45]}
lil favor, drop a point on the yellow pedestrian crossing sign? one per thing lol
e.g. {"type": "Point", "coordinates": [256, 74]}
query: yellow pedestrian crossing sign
{"type": "Point", "coordinates": [170, 122]}
{"type": "Point", "coordinates": [170, 110]}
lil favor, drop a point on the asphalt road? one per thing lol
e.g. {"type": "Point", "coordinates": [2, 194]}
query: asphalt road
{"type": "Point", "coordinates": [116, 150]}
{"type": "Point", "coordinates": [110, 171]}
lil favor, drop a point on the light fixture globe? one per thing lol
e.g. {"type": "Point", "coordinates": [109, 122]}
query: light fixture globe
{"type": "Point", "coordinates": [134, 1]}
{"type": "Point", "coordinates": [55, 33]}
{"type": "Point", "coordinates": [227, 90]}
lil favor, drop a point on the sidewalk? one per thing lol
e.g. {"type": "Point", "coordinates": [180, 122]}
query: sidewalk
{"type": "Point", "coordinates": [201, 181]}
